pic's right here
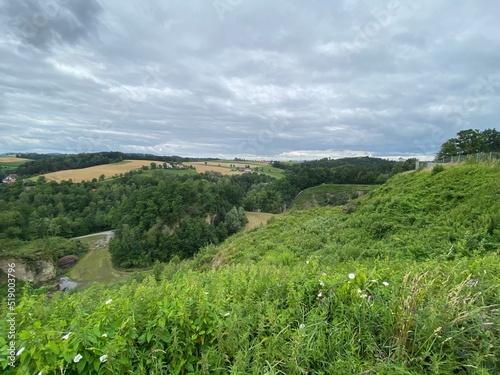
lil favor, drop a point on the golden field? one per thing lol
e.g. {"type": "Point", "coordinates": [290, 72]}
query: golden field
{"type": "Point", "coordinates": [222, 166]}
{"type": "Point", "coordinates": [108, 170]}
{"type": "Point", "coordinates": [12, 159]}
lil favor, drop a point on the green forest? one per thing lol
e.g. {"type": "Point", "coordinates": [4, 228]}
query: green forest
{"type": "Point", "coordinates": [389, 270]}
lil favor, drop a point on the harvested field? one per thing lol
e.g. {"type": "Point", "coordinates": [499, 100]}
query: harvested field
{"type": "Point", "coordinates": [108, 170]}
{"type": "Point", "coordinates": [224, 166]}
{"type": "Point", "coordinates": [12, 159]}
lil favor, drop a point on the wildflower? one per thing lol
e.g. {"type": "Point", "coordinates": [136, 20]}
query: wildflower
{"type": "Point", "coordinates": [39, 373]}
{"type": "Point", "coordinates": [227, 314]}
{"type": "Point", "coordinates": [321, 283]}
{"type": "Point", "coordinates": [360, 291]}
{"type": "Point", "coordinates": [108, 301]}
{"type": "Point", "coordinates": [385, 283]}
{"type": "Point", "coordinates": [374, 281]}
{"type": "Point", "coordinates": [320, 294]}
{"type": "Point", "coordinates": [205, 292]}
{"type": "Point", "coordinates": [302, 326]}
{"type": "Point", "coordinates": [307, 262]}
{"type": "Point", "coordinates": [77, 358]}
{"type": "Point", "coordinates": [103, 358]}
{"type": "Point", "coordinates": [20, 351]}
{"type": "Point", "coordinates": [352, 276]}
{"type": "Point", "coordinates": [65, 337]}
{"type": "Point", "coordinates": [104, 335]}
{"type": "Point", "coordinates": [363, 295]}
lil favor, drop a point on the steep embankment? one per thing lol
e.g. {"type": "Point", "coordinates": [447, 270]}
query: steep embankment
{"type": "Point", "coordinates": [415, 215]}
{"type": "Point", "coordinates": [403, 281]}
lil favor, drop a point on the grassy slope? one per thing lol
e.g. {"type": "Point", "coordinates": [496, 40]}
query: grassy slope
{"type": "Point", "coordinates": [422, 298]}
{"type": "Point", "coordinates": [329, 195]}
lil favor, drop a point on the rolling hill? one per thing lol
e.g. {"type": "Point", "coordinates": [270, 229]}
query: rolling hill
{"type": "Point", "coordinates": [403, 280]}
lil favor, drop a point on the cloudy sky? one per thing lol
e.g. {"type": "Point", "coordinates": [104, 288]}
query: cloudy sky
{"type": "Point", "coordinates": [248, 78]}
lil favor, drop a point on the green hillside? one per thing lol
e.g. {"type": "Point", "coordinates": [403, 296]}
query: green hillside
{"type": "Point", "coordinates": [329, 195]}
{"type": "Point", "coordinates": [402, 281]}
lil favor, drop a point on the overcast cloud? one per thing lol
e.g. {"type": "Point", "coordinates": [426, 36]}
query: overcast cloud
{"type": "Point", "coordinates": [248, 78]}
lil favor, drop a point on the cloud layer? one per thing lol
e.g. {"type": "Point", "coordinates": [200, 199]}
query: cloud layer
{"type": "Point", "coordinates": [226, 78]}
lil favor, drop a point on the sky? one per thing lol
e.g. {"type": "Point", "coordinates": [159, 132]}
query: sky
{"type": "Point", "coordinates": [279, 79]}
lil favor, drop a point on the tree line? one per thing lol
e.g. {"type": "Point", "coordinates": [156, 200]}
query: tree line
{"type": "Point", "coordinates": [470, 141]}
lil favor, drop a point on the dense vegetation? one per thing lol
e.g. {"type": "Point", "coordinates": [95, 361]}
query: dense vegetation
{"type": "Point", "coordinates": [470, 141]}
{"type": "Point", "coordinates": [274, 196]}
{"type": "Point", "coordinates": [405, 281]}
{"type": "Point", "coordinates": [42, 163]}
{"type": "Point", "coordinates": [157, 215]}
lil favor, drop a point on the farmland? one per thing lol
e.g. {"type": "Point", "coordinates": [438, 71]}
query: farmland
{"type": "Point", "coordinates": [10, 162]}
{"type": "Point", "coordinates": [231, 167]}
{"type": "Point", "coordinates": [108, 170]}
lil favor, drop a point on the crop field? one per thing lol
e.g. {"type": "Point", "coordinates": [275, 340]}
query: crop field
{"type": "Point", "coordinates": [230, 167]}
{"type": "Point", "coordinates": [11, 162]}
{"type": "Point", "coordinates": [108, 170]}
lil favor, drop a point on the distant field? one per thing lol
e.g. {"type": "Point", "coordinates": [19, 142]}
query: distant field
{"type": "Point", "coordinates": [329, 195]}
{"type": "Point", "coordinates": [96, 266]}
{"type": "Point", "coordinates": [223, 166]}
{"type": "Point", "coordinates": [108, 170]}
{"type": "Point", "coordinates": [11, 162]}
{"type": "Point", "coordinates": [255, 219]}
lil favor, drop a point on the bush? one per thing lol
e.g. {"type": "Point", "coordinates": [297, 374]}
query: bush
{"type": "Point", "coordinates": [437, 169]}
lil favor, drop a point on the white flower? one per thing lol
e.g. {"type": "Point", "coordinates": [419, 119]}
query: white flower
{"type": "Point", "coordinates": [39, 373]}
{"type": "Point", "coordinates": [385, 283]}
{"type": "Point", "coordinates": [374, 281]}
{"type": "Point", "coordinates": [360, 291]}
{"type": "Point", "coordinates": [227, 314]}
{"type": "Point", "coordinates": [302, 326]}
{"type": "Point", "coordinates": [104, 335]}
{"type": "Point", "coordinates": [363, 295]}
{"type": "Point", "coordinates": [103, 358]}
{"type": "Point", "coordinates": [65, 337]}
{"type": "Point", "coordinates": [320, 294]}
{"type": "Point", "coordinates": [307, 262]}
{"type": "Point", "coordinates": [108, 301]}
{"type": "Point", "coordinates": [321, 283]}
{"type": "Point", "coordinates": [20, 351]}
{"type": "Point", "coordinates": [205, 292]}
{"type": "Point", "coordinates": [352, 276]}
{"type": "Point", "coordinates": [77, 358]}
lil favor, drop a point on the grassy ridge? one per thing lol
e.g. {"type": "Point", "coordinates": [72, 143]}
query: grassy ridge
{"type": "Point", "coordinates": [403, 281]}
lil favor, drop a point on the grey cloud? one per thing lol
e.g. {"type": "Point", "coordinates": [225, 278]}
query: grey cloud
{"type": "Point", "coordinates": [277, 79]}
{"type": "Point", "coordinates": [43, 23]}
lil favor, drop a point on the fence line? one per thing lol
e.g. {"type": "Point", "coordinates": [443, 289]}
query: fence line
{"type": "Point", "coordinates": [480, 156]}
